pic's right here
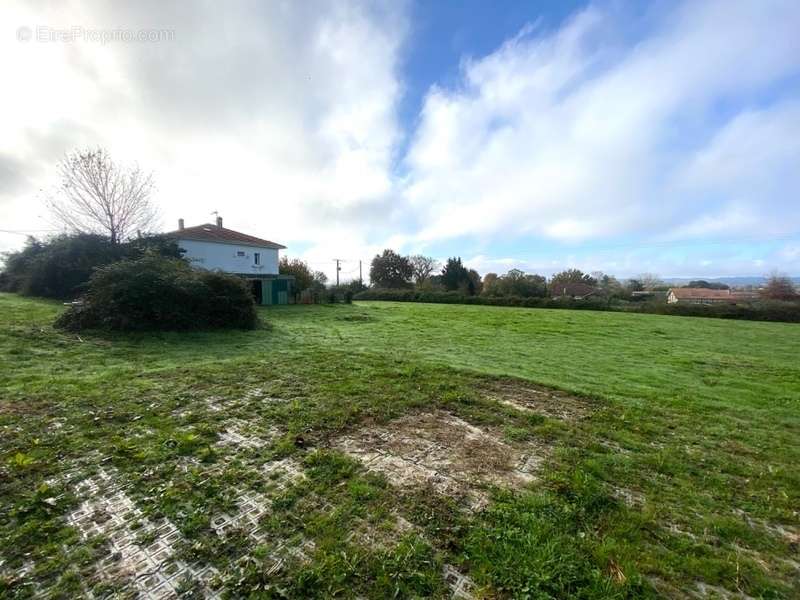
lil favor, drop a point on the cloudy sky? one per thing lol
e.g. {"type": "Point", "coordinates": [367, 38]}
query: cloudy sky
{"type": "Point", "coordinates": [619, 136]}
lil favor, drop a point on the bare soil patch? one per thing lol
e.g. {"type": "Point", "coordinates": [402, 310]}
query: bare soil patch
{"type": "Point", "coordinates": [530, 397]}
{"type": "Point", "coordinates": [440, 450]}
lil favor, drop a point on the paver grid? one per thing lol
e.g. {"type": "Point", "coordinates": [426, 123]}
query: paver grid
{"type": "Point", "coordinates": [460, 585]}
{"type": "Point", "coordinates": [251, 507]}
{"type": "Point", "coordinates": [152, 569]}
{"type": "Point", "coordinates": [236, 434]}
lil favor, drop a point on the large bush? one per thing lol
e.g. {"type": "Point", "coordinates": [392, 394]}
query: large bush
{"type": "Point", "coordinates": [157, 293]}
{"type": "Point", "coordinates": [60, 267]}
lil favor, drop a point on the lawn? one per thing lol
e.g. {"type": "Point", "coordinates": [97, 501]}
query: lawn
{"type": "Point", "coordinates": [401, 450]}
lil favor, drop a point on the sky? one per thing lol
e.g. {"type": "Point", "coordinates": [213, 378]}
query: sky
{"type": "Point", "coordinates": [626, 137]}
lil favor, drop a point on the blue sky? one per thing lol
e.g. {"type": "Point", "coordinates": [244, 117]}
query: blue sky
{"type": "Point", "coordinates": [619, 136]}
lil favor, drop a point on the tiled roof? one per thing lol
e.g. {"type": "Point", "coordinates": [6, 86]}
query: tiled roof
{"type": "Point", "coordinates": [221, 235]}
{"type": "Point", "coordinates": [701, 294]}
{"type": "Point", "coordinates": [574, 289]}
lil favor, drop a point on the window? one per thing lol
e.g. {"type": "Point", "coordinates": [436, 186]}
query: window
{"type": "Point", "coordinates": [240, 253]}
{"type": "Point", "coordinates": [257, 258]}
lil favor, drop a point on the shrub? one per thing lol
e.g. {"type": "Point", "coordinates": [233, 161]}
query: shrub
{"type": "Point", "coordinates": [157, 293]}
{"type": "Point", "coordinates": [759, 311]}
{"type": "Point", "coordinates": [60, 267]}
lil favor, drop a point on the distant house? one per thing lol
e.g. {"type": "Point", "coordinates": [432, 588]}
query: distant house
{"type": "Point", "coordinates": [213, 247]}
{"type": "Point", "coordinates": [575, 291]}
{"type": "Point", "coordinates": [708, 296]}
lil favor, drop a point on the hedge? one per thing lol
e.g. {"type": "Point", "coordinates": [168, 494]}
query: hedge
{"type": "Point", "coordinates": [759, 311]}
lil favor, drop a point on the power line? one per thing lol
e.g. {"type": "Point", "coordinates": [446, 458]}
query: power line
{"type": "Point", "coordinates": [28, 231]}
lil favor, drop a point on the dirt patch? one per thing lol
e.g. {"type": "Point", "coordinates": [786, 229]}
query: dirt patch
{"type": "Point", "coordinates": [541, 400]}
{"type": "Point", "coordinates": [442, 451]}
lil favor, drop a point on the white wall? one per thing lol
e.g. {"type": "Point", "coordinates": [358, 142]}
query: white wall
{"type": "Point", "coordinates": [213, 255]}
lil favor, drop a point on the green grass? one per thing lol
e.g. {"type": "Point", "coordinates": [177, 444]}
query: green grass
{"type": "Point", "coordinates": [695, 421]}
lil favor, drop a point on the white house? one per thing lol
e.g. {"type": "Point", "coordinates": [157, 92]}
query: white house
{"type": "Point", "coordinates": [213, 247]}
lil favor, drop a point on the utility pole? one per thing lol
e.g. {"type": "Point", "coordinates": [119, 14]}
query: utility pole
{"type": "Point", "coordinates": [360, 278]}
{"type": "Point", "coordinates": [338, 268]}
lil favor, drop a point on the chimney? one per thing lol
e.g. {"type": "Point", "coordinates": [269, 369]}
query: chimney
{"type": "Point", "coordinates": [180, 224]}
{"type": "Point", "coordinates": [219, 221]}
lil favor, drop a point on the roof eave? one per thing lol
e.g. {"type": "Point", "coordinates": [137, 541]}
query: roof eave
{"type": "Point", "coordinates": [182, 236]}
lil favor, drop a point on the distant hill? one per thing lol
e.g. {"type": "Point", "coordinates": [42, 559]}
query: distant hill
{"type": "Point", "coordinates": [731, 281]}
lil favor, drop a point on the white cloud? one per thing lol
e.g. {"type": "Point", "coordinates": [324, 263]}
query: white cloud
{"type": "Point", "coordinates": [567, 136]}
{"type": "Point", "coordinates": [282, 116]}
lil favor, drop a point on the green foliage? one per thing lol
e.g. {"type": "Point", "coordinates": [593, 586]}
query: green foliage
{"type": "Point", "coordinates": [304, 277]}
{"type": "Point", "coordinates": [571, 276]}
{"type": "Point", "coordinates": [60, 267]}
{"type": "Point", "coordinates": [390, 270]}
{"type": "Point", "coordinates": [788, 312]}
{"type": "Point", "coordinates": [155, 293]}
{"type": "Point", "coordinates": [455, 276]}
{"type": "Point", "coordinates": [515, 283]}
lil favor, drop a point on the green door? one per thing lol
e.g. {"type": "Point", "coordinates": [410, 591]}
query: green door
{"type": "Point", "coordinates": [266, 293]}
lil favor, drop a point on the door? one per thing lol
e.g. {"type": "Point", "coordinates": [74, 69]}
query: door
{"type": "Point", "coordinates": [255, 288]}
{"type": "Point", "coordinates": [266, 291]}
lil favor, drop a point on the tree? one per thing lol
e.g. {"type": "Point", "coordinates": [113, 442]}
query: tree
{"type": "Point", "coordinates": [423, 267]}
{"type": "Point", "coordinates": [571, 276]}
{"type": "Point", "coordinates": [779, 287]}
{"type": "Point", "coordinates": [515, 283]}
{"type": "Point", "coordinates": [390, 270]}
{"type": "Point", "coordinates": [318, 280]}
{"type": "Point", "coordinates": [60, 267]}
{"type": "Point", "coordinates": [490, 284]}
{"type": "Point", "coordinates": [650, 281]}
{"type": "Point", "coordinates": [303, 277]}
{"type": "Point", "coordinates": [454, 274]}
{"type": "Point", "coordinates": [634, 285]}
{"type": "Point", "coordinates": [97, 195]}
{"type": "Point", "coordinates": [609, 284]}
{"type": "Point", "coordinates": [474, 284]}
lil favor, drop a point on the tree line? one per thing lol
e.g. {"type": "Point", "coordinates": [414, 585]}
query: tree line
{"type": "Point", "coordinates": [390, 270]}
{"type": "Point", "coordinates": [393, 271]}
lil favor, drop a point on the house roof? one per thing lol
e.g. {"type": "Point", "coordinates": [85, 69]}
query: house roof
{"type": "Point", "coordinates": [212, 233]}
{"type": "Point", "coordinates": [701, 294]}
{"type": "Point", "coordinates": [575, 289]}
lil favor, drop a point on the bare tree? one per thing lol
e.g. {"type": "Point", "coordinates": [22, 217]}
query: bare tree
{"type": "Point", "coordinates": [649, 281]}
{"type": "Point", "coordinates": [423, 267]}
{"type": "Point", "coordinates": [779, 287]}
{"type": "Point", "coordinates": [97, 195]}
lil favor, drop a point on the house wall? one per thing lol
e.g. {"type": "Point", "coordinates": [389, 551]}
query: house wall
{"type": "Point", "coordinates": [214, 255]}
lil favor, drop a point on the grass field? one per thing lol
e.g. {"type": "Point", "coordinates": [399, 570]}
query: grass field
{"type": "Point", "coordinates": [402, 450]}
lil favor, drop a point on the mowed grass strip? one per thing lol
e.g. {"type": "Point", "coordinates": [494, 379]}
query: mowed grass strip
{"type": "Point", "coordinates": [672, 472]}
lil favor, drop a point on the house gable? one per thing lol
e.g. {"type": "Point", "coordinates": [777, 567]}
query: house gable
{"type": "Point", "coordinates": [214, 247]}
